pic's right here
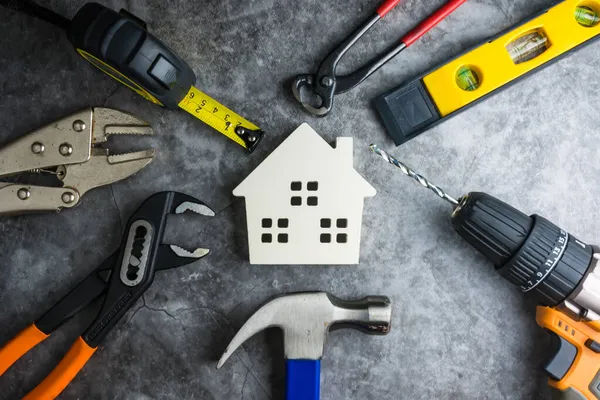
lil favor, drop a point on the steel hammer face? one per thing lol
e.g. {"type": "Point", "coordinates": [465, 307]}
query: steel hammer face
{"type": "Point", "coordinates": [305, 319]}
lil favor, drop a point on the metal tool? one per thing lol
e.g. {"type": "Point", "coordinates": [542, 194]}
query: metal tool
{"type": "Point", "coordinates": [119, 44]}
{"type": "Point", "coordinates": [316, 91]}
{"type": "Point", "coordinates": [495, 64]}
{"type": "Point", "coordinates": [121, 280]}
{"type": "Point", "coordinates": [305, 319]}
{"type": "Point", "coordinates": [409, 172]}
{"type": "Point", "coordinates": [561, 271]}
{"type": "Point", "coordinates": [70, 149]}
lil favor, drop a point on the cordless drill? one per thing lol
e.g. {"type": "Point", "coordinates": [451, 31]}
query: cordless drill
{"type": "Point", "coordinates": [561, 271]}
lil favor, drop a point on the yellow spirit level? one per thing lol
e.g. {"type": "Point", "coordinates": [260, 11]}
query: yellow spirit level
{"type": "Point", "coordinates": [445, 91]}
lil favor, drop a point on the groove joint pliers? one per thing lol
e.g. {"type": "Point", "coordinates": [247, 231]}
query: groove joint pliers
{"type": "Point", "coordinates": [120, 281]}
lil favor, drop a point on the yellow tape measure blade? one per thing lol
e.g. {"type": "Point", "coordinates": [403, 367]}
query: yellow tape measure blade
{"type": "Point", "coordinates": [222, 119]}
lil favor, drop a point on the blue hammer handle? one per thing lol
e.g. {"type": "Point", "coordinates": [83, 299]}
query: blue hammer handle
{"type": "Point", "coordinates": [303, 379]}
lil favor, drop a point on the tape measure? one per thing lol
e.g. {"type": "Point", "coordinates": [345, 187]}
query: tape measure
{"type": "Point", "coordinates": [119, 44]}
{"type": "Point", "coordinates": [219, 117]}
{"type": "Point", "coordinates": [430, 99]}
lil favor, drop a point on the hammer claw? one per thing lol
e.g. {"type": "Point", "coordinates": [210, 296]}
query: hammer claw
{"type": "Point", "coordinates": [306, 318]}
{"type": "Point", "coordinates": [264, 318]}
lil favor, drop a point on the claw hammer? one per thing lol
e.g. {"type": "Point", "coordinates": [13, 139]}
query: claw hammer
{"type": "Point", "coordinates": [305, 319]}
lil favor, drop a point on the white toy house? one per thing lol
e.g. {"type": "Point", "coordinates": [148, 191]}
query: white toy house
{"type": "Point", "coordinates": [304, 203]}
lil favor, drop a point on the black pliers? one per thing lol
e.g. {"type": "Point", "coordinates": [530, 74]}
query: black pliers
{"type": "Point", "coordinates": [121, 280]}
{"type": "Point", "coordinates": [316, 92]}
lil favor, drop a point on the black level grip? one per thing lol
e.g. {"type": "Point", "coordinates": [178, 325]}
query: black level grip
{"type": "Point", "coordinates": [120, 45]}
{"type": "Point", "coordinates": [407, 111]}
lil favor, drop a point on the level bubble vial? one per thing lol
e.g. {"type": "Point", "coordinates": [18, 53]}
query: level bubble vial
{"type": "Point", "coordinates": [468, 78]}
{"type": "Point", "coordinates": [586, 16]}
{"type": "Point", "coordinates": [528, 46]}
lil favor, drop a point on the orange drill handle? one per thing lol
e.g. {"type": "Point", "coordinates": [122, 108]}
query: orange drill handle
{"type": "Point", "coordinates": [64, 373]}
{"type": "Point", "coordinates": [26, 340]}
{"type": "Point", "coordinates": [582, 380]}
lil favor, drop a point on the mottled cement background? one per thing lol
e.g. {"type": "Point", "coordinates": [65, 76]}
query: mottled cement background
{"type": "Point", "coordinates": [460, 331]}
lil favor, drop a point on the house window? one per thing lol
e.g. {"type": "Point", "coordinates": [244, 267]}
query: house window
{"type": "Point", "coordinates": [270, 232]}
{"type": "Point", "coordinates": [297, 186]}
{"type": "Point", "coordinates": [328, 232]}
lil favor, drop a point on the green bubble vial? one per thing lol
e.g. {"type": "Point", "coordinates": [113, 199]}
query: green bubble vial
{"type": "Point", "coordinates": [467, 79]}
{"type": "Point", "coordinates": [587, 17]}
{"type": "Point", "coordinates": [528, 47]}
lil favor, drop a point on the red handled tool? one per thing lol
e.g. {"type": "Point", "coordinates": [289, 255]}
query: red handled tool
{"type": "Point", "coordinates": [120, 280]}
{"type": "Point", "coordinates": [316, 92]}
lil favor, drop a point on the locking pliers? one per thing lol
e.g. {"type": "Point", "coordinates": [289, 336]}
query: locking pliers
{"type": "Point", "coordinates": [69, 149]}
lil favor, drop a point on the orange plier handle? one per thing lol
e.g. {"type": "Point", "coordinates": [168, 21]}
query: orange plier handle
{"type": "Point", "coordinates": [61, 376]}
{"type": "Point", "coordinates": [91, 288]}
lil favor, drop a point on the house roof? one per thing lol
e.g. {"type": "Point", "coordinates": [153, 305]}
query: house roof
{"type": "Point", "coordinates": [306, 153]}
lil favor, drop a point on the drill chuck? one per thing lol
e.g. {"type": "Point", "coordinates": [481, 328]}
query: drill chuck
{"type": "Point", "coordinates": [529, 251]}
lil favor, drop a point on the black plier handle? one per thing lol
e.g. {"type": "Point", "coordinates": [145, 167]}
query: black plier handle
{"type": "Point", "coordinates": [316, 92]}
{"type": "Point", "coordinates": [118, 282]}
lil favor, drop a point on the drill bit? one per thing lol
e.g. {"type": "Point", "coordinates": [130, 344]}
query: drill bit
{"type": "Point", "coordinates": [409, 172]}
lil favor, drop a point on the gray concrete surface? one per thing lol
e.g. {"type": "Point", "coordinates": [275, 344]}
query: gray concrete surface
{"type": "Point", "coordinates": [460, 331]}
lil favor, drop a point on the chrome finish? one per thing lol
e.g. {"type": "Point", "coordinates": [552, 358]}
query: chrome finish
{"type": "Point", "coordinates": [41, 198]}
{"type": "Point", "coordinates": [103, 169]}
{"type": "Point", "coordinates": [23, 194]}
{"type": "Point", "coordinates": [409, 172]}
{"type": "Point", "coordinates": [181, 252]}
{"type": "Point", "coordinates": [306, 318]}
{"type": "Point", "coordinates": [326, 81]}
{"type": "Point", "coordinates": [65, 149]}
{"type": "Point", "coordinates": [68, 198]}
{"type": "Point", "coordinates": [78, 125]}
{"type": "Point", "coordinates": [71, 151]}
{"type": "Point", "coordinates": [16, 157]}
{"type": "Point", "coordinates": [585, 300]}
{"type": "Point", "coordinates": [137, 248]}
{"type": "Point", "coordinates": [108, 121]}
{"type": "Point", "coordinates": [37, 148]}
{"type": "Point", "coordinates": [194, 207]}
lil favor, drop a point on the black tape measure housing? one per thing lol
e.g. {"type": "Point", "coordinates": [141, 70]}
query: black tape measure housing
{"type": "Point", "coordinates": [119, 44]}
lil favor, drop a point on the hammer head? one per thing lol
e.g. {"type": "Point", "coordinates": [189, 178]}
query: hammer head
{"type": "Point", "coordinates": [305, 319]}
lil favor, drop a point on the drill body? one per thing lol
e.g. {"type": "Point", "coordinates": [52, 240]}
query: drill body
{"type": "Point", "coordinates": [561, 271]}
